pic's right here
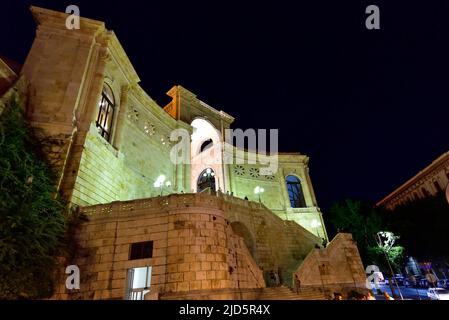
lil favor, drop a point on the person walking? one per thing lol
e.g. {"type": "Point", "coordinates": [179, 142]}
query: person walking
{"type": "Point", "coordinates": [297, 284]}
{"type": "Point", "coordinates": [369, 296]}
{"type": "Point", "coordinates": [276, 279]}
{"type": "Point", "coordinates": [387, 296]}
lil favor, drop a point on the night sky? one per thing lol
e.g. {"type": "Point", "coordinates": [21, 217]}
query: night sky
{"type": "Point", "coordinates": [370, 107]}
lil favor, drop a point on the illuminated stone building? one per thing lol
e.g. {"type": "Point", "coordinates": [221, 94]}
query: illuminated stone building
{"type": "Point", "coordinates": [428, 182]}
{"type": "Point", "coordinates": [158, 229]}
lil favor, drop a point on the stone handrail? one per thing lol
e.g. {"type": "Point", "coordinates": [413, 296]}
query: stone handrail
{"type": "Point", "coordinates": [165, 202]}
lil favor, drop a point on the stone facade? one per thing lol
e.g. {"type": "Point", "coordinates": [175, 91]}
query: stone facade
{"type": "Point", "coordinates": [95, 170]}
{"type": "Point", "coordinates": [336, 268]}
{"type": "Point", "coordinates": [7, 77]}
{"type": "Point", "coordinates": [201, 243]}
{"type": "Point", "coordinates": [429, 181]}
{"type": "Point", "coordinates": [110, 143]}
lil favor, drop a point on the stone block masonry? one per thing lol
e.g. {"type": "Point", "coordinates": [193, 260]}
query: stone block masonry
{"type": "Point", "coordinates": [194, 247]}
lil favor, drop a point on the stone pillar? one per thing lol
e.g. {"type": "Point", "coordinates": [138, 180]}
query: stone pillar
{"type": "Point", "coordinates": [306, 187]}
{"type": "Point", "coordinates": [284, 190]}
{"type": "Point", "coordinates": [120, 119]}
{"type": "Point", "coordinates": [58, 68]}
{"type": "Point", "coordinates": [309, 183]}
{"type": "Point", "coordinates": [96, 88]}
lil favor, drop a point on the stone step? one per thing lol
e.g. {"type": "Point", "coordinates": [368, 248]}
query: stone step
{"type": "Point", "coordinates": [270, 293]}
{"type": "Point", "coordinates": [284, 293]}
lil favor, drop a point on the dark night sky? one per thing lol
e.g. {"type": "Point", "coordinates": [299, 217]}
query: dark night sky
{"type": "Point", "coordinates": [369, 107]}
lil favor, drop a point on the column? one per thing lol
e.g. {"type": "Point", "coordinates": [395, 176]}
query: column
{"type": "Point", "coordinates": [121, 114]}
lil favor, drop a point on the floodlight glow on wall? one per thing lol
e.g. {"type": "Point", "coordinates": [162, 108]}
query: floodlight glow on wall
{"type": "Point", "coordinates": [258, 190]}
{"type": "Point", "coordinates": [316, 224]}
{"type": "Point", "coordinates": [159, 181]}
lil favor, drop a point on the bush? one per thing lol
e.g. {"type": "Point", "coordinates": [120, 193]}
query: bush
{"type": "Point", "coordinates": [32, 220]}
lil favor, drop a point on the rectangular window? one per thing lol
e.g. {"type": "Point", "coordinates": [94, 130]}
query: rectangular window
{"type": "Point", "coordinates": [105, 116]}
{"type": "Point", "coordinates": [139, 281]}
{"type": "Point", "coordinates": [141, 250]}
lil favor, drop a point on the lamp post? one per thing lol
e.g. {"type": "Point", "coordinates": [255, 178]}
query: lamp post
{"type": "Point", "coordinates": [258, 190]}
{"type": "Point", "coordinates": [386, 245]}
{"type": "Point", "coordinates": [167, 184]}
{"type": "Point", "coordinates": [159, 183]}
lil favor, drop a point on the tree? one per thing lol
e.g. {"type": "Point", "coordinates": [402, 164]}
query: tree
{"type": "Point", "coordinates": [424, 227]}
{"type": "Point", "coordinates": [32, 220]}
{"type": "Point", "coordinates": [360, 219]}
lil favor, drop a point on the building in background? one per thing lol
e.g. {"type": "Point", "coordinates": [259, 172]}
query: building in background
{"type": "Point", "coordinates": [428, 182]}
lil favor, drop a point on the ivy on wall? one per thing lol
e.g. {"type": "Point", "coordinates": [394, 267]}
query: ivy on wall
{"type": "Point", "coordinates": [32, 219]}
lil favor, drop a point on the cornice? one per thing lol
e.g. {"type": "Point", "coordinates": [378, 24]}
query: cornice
{"type": "Point", "coordinates": [427, 173]}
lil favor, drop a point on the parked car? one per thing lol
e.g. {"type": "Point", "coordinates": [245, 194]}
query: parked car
{"type": "Point", "coordinates": [409, 282]}
{"type": "Point", "coordinates": [423, 283]}
{"type": "Point", "coordinates": [397, 280]}
{"type": "Point", "coordinates": [438, 294]}
{"type": "Point", "coordinates": [443, 283]}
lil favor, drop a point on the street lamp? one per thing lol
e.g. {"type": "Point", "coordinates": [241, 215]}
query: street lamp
{"type": "Point", "coordinates": [258, 190]}
{"type": "Point", "coordinates": [159, 183]}
{"type": "Point", "coordinates": [386, 244]}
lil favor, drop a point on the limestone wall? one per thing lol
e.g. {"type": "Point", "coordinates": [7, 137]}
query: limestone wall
{"type": "Point", "coordinates": [201, 242]}
{"type": "Point", "coordinates": [336, 267]}
{"type": "Point", "coordinates": [7, 77]}
{"type": "Point", "coordinates": [18, 91]}
{"type": "Point", "coordinates": [194, 248]}
{"type": "Point", "coordinates": [244, 178]}
{"type": "Point", "coordinates": [67, 70]}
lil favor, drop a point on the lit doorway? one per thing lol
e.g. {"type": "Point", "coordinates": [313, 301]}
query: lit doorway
{"type": "Point", "coordinates": [139, 281]}
{"type": "Point", "coordinates": [206, 180]}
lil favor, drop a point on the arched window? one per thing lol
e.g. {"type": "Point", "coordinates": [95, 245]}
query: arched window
{"type": "Point", "coordinates": [206, 180]}
{"type": "Point", "coordinates": [106, 113]}
{"type": "Point", "coordinates": [295, 192]}
{"type": "Point", "coordinates": [206, 145]}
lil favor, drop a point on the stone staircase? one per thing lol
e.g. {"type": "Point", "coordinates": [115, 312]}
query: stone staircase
{"type": "Point", "coordinates": [285, 293]}
{"type": "Point", "coordinates": [270, 293]}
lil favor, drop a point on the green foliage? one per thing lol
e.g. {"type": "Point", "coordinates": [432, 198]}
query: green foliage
{"type": "Point", "coordinates": [364, 221]}
{"type": "Point", "coordinates": [423, 227]}
{"type": "Point", "coordinates": [395, 255]}
{"type": "Point", "coordinates": [359, 218]}
{"type": "Point", "coordinates": [32, 221]}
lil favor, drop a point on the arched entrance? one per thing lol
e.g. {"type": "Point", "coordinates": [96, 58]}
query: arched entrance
{"type": "Point", "coordinates": [206, 180]}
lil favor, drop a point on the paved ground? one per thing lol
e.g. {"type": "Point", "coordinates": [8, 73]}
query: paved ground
{"type": "Point", "coordinates": [407, 293]}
